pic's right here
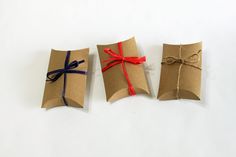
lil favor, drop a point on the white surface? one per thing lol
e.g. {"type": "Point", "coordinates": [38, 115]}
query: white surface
{"type": "Point", "coordinates": [132, 127]}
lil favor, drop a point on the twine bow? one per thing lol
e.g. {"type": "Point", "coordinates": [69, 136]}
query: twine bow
{"type": "Point", "coordinates": [54, 75]}
{"type": "Point", "coordinates": [120, 59]}
{"type": "Point", "coordinates": [188, 61]}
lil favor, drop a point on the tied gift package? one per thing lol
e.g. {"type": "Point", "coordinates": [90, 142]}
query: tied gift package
{"type": "Point", "coordinates": [66, 78]}
{"type": "Point", "coordinates": [122, 69]}
{"type": "Point", "coordinates": [181, 72]}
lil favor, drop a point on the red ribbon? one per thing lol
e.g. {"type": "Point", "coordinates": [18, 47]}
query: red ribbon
{"type": "Point", "coordinates": [120, 59]}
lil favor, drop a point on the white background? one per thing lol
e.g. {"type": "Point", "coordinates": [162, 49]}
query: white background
{"type": "Point", "coordinates": [132, 127]}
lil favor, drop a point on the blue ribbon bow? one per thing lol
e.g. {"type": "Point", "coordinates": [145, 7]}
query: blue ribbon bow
{"type": "Point", "coordinates": [68, 68]}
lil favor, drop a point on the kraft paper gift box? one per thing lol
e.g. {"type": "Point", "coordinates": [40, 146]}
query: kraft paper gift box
{"type": "Point", "coordinates": [66, 79]}
{"type": "Point", "coordinates": [122, 69]}
{"type": "Point", "coordinates": [181, 72]}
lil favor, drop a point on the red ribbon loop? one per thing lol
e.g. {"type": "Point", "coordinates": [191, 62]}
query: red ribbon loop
{"type": "Point", "coordinates": [120, 59]}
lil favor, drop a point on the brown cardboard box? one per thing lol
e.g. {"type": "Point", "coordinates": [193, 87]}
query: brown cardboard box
{"type": "Point", "coordinates": [73, 84]}
{"type": "Point", "coordinates": [115, 80]}
{"type": "Point", "coordinates": [181, 72]}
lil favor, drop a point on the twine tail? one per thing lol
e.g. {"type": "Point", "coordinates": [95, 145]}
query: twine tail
{"type": "Point", "coordinates": [178, 81]}
{"type": "Point", "coordinates": [179, 71]}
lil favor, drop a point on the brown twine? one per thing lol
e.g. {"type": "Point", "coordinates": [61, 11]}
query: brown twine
{"type": "Point", "coordinates": [189, 61]}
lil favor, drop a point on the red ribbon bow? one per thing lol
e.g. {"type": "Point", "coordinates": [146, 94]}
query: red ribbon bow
{"type": "Point", "coordinates": [120, 59]}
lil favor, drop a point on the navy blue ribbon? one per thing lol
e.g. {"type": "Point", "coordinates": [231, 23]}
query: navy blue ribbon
{"type": "Point", "coordinates": [68, 68]}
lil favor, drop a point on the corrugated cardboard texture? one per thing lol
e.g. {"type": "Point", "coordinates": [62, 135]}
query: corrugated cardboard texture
{"type": "Point", "coordinates": [114, 80]}
{"type": "Point", "coordinates": [189, 77]}
{"type": "Point", "coordinates": [75, 84]}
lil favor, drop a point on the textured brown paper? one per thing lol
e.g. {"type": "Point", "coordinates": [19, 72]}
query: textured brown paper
{"type": "Point", "coordinates": [116, 86]}
{"type": "Point", "coordinates": [181, 78]}
{"type": "Point", "coordinates": [75, 83]}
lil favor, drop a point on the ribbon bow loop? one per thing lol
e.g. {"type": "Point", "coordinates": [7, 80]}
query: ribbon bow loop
{"type": "Point", "coordinates": [135, 60]}
{"type": "Point", "coordinates": [112, 53]}
{"type": "Point", "coordinates": [74, 64]}
{"type": "Point", "coordinates": [170, 60]}
{"type": "Point", "coordinates": [194, 58]}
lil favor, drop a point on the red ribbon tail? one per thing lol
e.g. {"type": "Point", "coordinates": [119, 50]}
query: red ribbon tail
{"type": "Point", "coordinates": [143, 59]}
{"type": "Point", "coordinates": [111, 64]}
{"type": "Point", "coordinates": [131, 91]}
